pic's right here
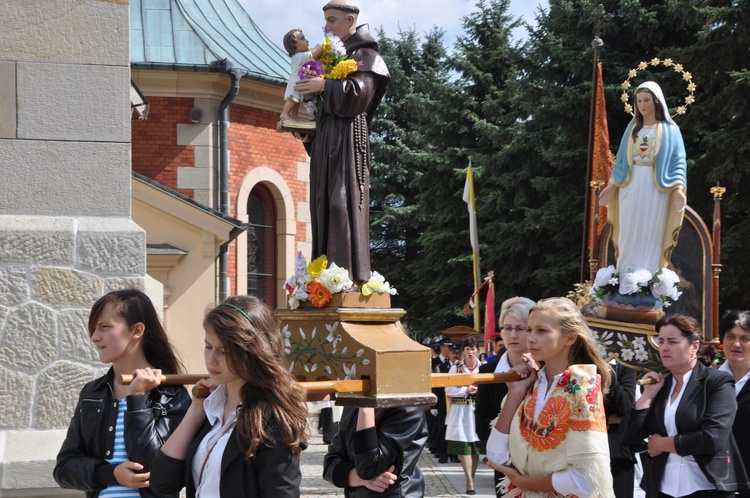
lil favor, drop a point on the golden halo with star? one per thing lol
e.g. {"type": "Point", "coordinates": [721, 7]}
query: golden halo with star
{"type": "Point", "coordinates": [678, 68]}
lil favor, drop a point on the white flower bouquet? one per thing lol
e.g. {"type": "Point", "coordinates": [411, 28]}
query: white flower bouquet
{"type": "Point", "coordinates": [661, 286]}
{"type": "Point", "coordinates": [318, 282]}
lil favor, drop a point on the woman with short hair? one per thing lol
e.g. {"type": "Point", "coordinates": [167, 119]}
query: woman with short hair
{"type": "Point", "coordinates": [734, 332]}
{"type": "Point", "coordinates": [460, 427]}
{"type": "Point", "coordinates": [514, 315]}
{"type": "Point", "coordinates": [687, 416]}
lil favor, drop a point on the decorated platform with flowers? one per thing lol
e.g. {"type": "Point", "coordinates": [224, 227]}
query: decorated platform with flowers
{"type": "Point", "coordinates": [336, 330]}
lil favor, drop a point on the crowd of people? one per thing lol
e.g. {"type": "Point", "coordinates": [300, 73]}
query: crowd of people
{"type": "Point", "coordinates": [578, 426]}
{"type": "Point", "coordinates": [571, 426]}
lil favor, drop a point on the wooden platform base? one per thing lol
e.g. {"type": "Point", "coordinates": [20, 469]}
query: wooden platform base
{"type": "Point", "coordinates": [616, 314]}
{"type": "Point", "coordinates": [357, 342]}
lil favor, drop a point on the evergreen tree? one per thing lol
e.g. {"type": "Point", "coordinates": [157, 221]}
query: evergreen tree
{"type": "Point", "coordinates": [469, 121]}
{"type": "Point", "coordinates": [522, 115]}
{"type": "Point", "coordinates": [404, 146]}
{"type": "Point", "coordinates": [711, 39]}
{"type": "Point", "coordinates": [533, 220]}
{"type": "Point", "coordinates": [720, 125]}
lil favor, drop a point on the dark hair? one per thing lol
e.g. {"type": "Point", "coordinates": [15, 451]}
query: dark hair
{"type": "Point", "coordinates": [290, 41]}
{"type": "Point", "coordinates": [469, 342]}
{"type": "Point", "coordinates": [249, 333]}
{"type": "Point", "coordinates": [688, 325]}
{"type": "Point", "coordinates": [134, 306]}
{"type": "Point", "coordinates": [658, 112]}
{"type": "Point", "coordinates": [734, 319]}
{"type": "Point", "coordinates": [352, 9]}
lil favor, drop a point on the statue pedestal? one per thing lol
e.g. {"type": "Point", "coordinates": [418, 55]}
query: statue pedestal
{"type": "Point", "coordinates": [631, 344]}
{"type": "Point", "coordinates": [647, 317]}
{"type": "Point", "coordinates": [357, 337]}
{"type": "Point", "coordinates": [630, 309]}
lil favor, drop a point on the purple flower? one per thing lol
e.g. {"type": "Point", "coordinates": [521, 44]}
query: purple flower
{"type": "Point", "coordinates": [337, 46]}
{"type": "Point", "coordinates": [311, 69]}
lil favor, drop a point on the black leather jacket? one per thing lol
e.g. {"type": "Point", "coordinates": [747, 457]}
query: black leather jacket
{"type": "Point", "coordinates": [397, 439]}
{"type": "Point", "coordinates": [149, 420]}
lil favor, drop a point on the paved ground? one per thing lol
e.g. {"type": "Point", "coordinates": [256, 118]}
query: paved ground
{"type": "Point", "coordinates": [441, 480]}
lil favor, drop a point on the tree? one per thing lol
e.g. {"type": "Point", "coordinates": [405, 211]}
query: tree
{"type": "Point", "coordinates": [469, 121]}
{"type": "Point", "coordinates": [404, 148]}
{"type": "Point", "coordinates": [533, 213]}
{"type": "Point", "coordinates": [522, 114]}
{"type": "Point", "coordinates": [720, 124]}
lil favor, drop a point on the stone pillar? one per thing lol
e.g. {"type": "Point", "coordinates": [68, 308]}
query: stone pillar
{"type": "Point", "coordinates": [66, 236]}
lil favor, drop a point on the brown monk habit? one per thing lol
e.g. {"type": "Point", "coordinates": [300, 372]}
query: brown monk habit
{"type": "Point", "coordinates": [340, 160]}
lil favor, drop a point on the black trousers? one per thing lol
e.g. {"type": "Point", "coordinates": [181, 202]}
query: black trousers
{"type": "Point", "coordinates": [706, 493]}
{"type": "Point", "coordinates": [623, 477]}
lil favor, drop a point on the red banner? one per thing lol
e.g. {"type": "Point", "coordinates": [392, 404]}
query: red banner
{"type": "Point", "coordinates": [601, 166]}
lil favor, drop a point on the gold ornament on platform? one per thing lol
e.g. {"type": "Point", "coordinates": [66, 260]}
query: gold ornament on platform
{"type": "Point", "coordinates": [678, 68]}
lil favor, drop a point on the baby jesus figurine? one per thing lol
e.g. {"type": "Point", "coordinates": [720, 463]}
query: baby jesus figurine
{"type": "Point", "coordinates": [299, 50]}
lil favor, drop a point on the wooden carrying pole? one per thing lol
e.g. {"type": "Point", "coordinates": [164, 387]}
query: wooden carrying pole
{"type": "Point", "coordinates": [316, 389]}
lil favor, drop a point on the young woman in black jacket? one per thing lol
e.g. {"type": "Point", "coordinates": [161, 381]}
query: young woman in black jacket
{"type": "Point", "coordinates": [116, 430]}
{"type": "Point", "coordinates": [245, 438]}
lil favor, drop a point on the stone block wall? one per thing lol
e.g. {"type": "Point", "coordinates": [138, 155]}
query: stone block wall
{"type": "Point", "coordinates": [51, 272]}
{"type": "Point", "coordinates": [52, 269]}
{"type": "Point", "coordinates": [66, 236]}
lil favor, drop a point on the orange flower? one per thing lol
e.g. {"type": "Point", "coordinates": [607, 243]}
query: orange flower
{"type": "Point", "coordinates": [319, 295]}
{"type": "Point", "coordinates": [552, 426]}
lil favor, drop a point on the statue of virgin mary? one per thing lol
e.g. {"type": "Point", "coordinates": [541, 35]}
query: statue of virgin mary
{"type": "Point", "coordinates": [646, 195]}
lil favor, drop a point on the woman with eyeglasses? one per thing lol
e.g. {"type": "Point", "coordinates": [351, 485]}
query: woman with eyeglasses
{"type": "Point", "coordinates": [550, 439]}
{"type": "Point", "coordinates": [514, 315]}
{"type": "Point", "coordinates": [687, 416]}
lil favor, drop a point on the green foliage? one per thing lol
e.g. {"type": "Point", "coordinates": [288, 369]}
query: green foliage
{"type": "Point", "coordinates": [404, 145]}
{"type": "Point", "coordinates": [521, 112]}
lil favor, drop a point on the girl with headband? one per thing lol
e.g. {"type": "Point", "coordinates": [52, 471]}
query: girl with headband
{"type": "Point", "coordinates": [246, 437]}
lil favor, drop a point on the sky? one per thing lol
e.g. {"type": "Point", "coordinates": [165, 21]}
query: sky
{"type": "Point", "coordinates": [276, 17]}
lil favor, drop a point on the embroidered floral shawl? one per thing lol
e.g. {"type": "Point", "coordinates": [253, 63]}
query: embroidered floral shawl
{"type": "Point", "coordinates": [570, 433]}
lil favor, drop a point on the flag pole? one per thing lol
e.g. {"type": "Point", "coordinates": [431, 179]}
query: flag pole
{"type": "Point", "coordinates": [598, 18]}
{"type": "Point", "coordinates": [468, 197]}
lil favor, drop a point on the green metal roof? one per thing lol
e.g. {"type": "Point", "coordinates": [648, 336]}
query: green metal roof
{"type": "Point", "coordinates": [190, 34]}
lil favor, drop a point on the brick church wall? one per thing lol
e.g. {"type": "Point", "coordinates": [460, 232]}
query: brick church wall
{"type": "Point", "coordinates": [253, 142]}
{"type": "Point", "coordinates": [155, 152]}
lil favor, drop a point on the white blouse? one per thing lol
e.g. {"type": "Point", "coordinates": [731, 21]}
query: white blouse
{"type": "Point", "coordinates": [566, 482]}
{"type": "Point", "coordinates": [503, 364]}
{"type": "Point", "coordinates": [682, 474]}
{"type": "Point", "coordinates": [208, 455]}
{"type": "Point", "coordinates": [740, 383]}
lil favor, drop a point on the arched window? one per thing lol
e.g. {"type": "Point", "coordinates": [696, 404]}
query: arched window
{"type": "Point", "coordinates": [261, 246]}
